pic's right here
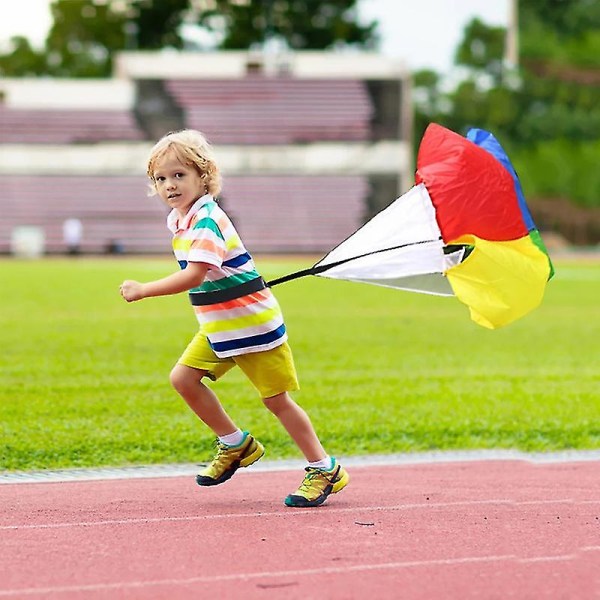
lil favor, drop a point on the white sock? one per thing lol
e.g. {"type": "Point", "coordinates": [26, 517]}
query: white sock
{"type": "Point", "coordinates": [325, 463]}
{"type": "Point", "coordinates": [233, 439]}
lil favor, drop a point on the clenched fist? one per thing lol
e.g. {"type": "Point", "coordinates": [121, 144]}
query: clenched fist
{"type": "Point", "coordinates": [131, 290]}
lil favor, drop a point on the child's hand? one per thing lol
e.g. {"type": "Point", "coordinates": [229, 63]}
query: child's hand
{"type": "Point", "coordinates": [131, 290]}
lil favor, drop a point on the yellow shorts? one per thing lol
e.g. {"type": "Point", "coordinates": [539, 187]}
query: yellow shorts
{"type": "Point", "coordinates": [271, 372]}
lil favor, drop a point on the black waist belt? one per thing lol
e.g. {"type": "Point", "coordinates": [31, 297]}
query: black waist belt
{"type": "Point", "coordinates": [237, 291]}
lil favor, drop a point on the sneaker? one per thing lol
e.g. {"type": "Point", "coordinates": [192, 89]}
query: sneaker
{"type": "Point", "coordinates": [229, 459]}
{"type": "Point", "coordinates": [317, 485]}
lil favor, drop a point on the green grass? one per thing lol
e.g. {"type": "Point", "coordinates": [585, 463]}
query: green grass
{"type": "Point", "coordinates": [84, 375]}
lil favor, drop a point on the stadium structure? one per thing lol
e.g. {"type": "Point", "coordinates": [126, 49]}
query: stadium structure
{"type": "Point", "coordinates": [311, 145]}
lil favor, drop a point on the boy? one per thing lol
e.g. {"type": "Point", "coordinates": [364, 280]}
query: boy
{"type": "Point", "coordinates": [240, 320]}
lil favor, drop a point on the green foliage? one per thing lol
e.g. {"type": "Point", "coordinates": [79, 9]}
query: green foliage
{"type": "Point", "coordinates": [84, 375]}
{"type": "Point", "coordinates": [22, 60]}
{"type": "Point", "coordinates": [547, 113]}
{"type": "Point", "coordinates": [482, 47]}
{"type": "Point", "coordinates": [495, 109]}
{"type": "Point", "coordinates": [561, 31]}
{"type": "Point", "coordinates": [86, 34]}
{"type": "Point", "coordinates": [559, 168]}
{"type": "Point", "coordinates": [304, 25]}
{"type": "Point", "coordinates": [538, 44]}
{"type": "Point", "coordinates": [156, 24]}
{"type": "Point", "coordinates": [82, 37]}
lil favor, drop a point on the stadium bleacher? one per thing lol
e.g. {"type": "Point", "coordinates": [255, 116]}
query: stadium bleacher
{"type": "Point", "coordinates": [290, 213]}
{"type": "Point", "coordinates": [95, 135]}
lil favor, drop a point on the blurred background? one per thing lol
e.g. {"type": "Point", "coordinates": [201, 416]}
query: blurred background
{"type": "Point", "coordinates": [315, 109]}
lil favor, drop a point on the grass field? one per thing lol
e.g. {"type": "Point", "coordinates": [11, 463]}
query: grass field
{"type": "Point", "coordinates": [84, 375]}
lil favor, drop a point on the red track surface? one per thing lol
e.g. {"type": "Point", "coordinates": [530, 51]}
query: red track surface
{"type": "Point", "coordinates": [485, 530]}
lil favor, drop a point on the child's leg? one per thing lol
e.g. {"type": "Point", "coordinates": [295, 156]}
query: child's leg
{"type": "Point", "coordinates": [320, 480]}
{"type": "Point", "coordinates": [201, 399]}
{"type": "Point", "coordinates": [298, 424]}
{"type": "Point", "coordinates": [235, 448]}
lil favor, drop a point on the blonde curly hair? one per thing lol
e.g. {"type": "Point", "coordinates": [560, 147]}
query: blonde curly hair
{"type": "Point", "coordinates": [192, 149]}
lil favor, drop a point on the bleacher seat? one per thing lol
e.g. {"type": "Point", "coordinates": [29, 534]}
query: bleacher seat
{"type": "Point", "coordinates": [275, 110]}
{"type": "Point", "coordinates": [110, 208]}
{"type": "Point", "coordinates": [40, 126]}
{"type": "Point", "coordinates": [274, 213]}
{"type": "Point", "coordinates": [295, 213]}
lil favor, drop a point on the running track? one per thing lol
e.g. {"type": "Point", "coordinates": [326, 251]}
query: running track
{"type": "Point", "coordinates": [457, 529]}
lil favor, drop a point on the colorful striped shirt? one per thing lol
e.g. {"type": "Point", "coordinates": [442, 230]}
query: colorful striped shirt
{"type": "Point", "coordinates": [235, 309]}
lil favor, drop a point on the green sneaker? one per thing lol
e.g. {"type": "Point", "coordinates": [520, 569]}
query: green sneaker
{"type": "Point", "coordinates": [317, 485]}
{"type": "Point", "coordinates": [229, 459]}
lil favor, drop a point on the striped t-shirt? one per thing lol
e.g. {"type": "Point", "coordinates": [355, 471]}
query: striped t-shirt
{"type": "Point", "coordinates": [234, 324]}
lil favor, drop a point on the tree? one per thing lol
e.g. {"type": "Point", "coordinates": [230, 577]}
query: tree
{"type": "Point", "coordinates": [560, 48]}
{"type": "Point", "coordinates": [86, 34]}
{"type": "Point", "coordinates": [558, 95]}
{"type": "Point", "coordinates": [82, 37]}
{"type": "Point", "coordinates": [560, 32]}
{"type": "Point", "coordinates": [482, 49]}
{"type": "Point", "coordinates": [549, 121]}
{"type": "Point", "coordinates": [480, 99]}
{"type": "Point", "coordinates": [302, 24]}
{"type": "Point", "coordinates": [23, 60]}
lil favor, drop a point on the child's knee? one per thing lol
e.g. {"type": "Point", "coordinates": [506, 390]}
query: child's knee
{"type": "Point", "coordinates": [182, 378]}
{"type": "Point", "coordinates": [277, 404]}
{"type": "Point", "coordinates": [177, 378]}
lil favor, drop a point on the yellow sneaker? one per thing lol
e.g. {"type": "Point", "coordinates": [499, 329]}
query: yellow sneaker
{"type": "Point", "coordinates": [317, 485]}
{"type": "Point", "coordinates": [228, 459]}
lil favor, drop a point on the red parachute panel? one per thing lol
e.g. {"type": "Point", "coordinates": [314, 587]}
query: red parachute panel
{"type": "Point", "coordinates": [471, 191]}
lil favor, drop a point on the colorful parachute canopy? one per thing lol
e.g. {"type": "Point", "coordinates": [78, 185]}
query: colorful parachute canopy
{"type": "Point", "coordinates": [463, 230]}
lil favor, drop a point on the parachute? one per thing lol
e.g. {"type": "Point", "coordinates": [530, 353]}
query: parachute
{"type": "Point", "coordinates": [462, 230]}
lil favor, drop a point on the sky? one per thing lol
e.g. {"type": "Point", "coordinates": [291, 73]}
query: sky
{"type": "Point", "coordinates": [423, 33]}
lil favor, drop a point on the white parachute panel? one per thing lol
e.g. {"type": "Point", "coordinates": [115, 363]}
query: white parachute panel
{"type": "Point", "coordinates": [401, 247]}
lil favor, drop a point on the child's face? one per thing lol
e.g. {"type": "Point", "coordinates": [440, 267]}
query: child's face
{"type": "Point", "coordinates": [177, 184]}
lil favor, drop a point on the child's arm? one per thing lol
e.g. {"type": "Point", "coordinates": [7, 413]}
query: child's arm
{"type": "Point", "coordinates": [181, 281]}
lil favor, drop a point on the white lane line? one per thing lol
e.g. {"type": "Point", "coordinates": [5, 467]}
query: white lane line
{"type": "Point", "coordinates": [289, 513]}
{"type": "Point", "coordinates": [207, 579]}
{"type": "Point", "coordinates": [538, 559]}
